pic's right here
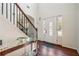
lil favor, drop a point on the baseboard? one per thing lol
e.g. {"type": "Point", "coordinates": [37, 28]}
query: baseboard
{"type": "Point", "coordinates": [39, 41]}
{"type": "Point", "coordinates": [78, 51]}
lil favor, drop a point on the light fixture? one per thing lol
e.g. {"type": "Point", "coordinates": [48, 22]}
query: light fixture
{"type": "Point", "coordinates": [28, 6]}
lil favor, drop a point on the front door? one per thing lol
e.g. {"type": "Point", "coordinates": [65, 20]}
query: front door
{"type": "Point", "coordinates": [50, 30]}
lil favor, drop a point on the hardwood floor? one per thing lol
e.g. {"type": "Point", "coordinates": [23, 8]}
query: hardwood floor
{"type": "Point", "coordinates": [46, 49]}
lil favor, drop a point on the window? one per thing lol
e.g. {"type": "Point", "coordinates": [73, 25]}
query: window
{"type": "Point", "coordinates": [2, 7]}
{"type": "Point", "coordinates": [50, 29]}
{"type": "Point", "coordinates": [44, 30]}
{"type": "Point", "coordinates": [60, 25]}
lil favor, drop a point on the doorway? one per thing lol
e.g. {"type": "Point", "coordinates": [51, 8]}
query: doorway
{"type": "Point", "coordinates": [50, 29]}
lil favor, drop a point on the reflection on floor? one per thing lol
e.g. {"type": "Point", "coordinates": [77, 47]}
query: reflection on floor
{"type": "Point", "coordinates": [46, 49]}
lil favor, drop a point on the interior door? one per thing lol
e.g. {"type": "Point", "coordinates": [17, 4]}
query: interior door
{"type": "Point", "coordinates": [50, 30]}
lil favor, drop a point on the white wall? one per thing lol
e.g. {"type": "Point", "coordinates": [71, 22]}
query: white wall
{"type": "Point", "coordinates": [68, 11]}
{"type": "Point", "coordinates": [9, 34]}
{"type": "Point", "coordinates": [77, 27]}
